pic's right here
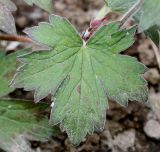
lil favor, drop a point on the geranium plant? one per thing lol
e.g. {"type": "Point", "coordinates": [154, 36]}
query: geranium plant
{"type": "Point", "coordinates": [81, 72]}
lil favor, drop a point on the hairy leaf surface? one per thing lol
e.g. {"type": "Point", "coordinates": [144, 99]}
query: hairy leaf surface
{"type": "Point", "coordinates": [81, 76]}
{"type": "Point", "coordinates": [7, 23]}
{"type": "Point", "coordinates": [21, 118]}
{"type": "Point", "coordinates": [44, 4]}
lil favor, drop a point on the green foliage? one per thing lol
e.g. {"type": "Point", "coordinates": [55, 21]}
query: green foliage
{"type": "Point", "coordinates": [44, 4]}
{"type": "Point", "coordinates": [21, 118]}
{"type": "Point", "coordinates": [120, 5]}
{"type": "Point", "coordinates": [6, 19]}
{"type": "Point", "coordinates": [153, 33]}
{"type": "Point", "coordinates": [7, 69]}
{"type": "Point", "coordinates": [147, 15]}
{"type": "Point", "coordinates": [81, 76]}
{"type": "Point", "coordinates": [150, 14]}
{"type": "Point", "coordinates": [8, 66]}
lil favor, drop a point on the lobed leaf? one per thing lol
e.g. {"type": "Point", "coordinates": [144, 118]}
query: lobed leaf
{"type": "Point", "coordinates": [21, 118]}
{"type": "Point", "coordinates": [81, 76]}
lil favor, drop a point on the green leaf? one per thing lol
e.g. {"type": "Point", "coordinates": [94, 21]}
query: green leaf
{"type": "Point", "coordinates": [20, 118]}
{"type": "Point", "coordinates": [153, 33]}
{"type": "Point", "coordinates": [147, 15]}
{"type": "Point", "coordinates": [7, 23]}
{"type": "Point", "coordinates": [120, 5]}
{"type": "Point", "coordinates": [81, 76]}
{"type": "Point", "coordinates": [8, 66]}
{"type": "Point", "coordinates": [150, 17]}
{"type": "Point", "coordinates": [44, 4]}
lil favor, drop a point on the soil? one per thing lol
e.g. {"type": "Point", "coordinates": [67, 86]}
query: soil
{"type": "Point", "coordinates": [126, 129]}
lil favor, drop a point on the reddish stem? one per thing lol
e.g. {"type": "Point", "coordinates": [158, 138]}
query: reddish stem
{"type": "Point", "coordinates": [15, 38]}
{"type": "Point", "coordinates": [94, 25]}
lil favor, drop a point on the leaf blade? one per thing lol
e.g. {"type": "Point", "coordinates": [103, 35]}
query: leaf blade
{"type": "Point", "coordinates": [119, 5]}
{"type": "Point", "coordinates": [19, 117]}
{"type": "Point", "coordinates": [6, 74]}
{"type": "Point", "coordinates": [149, 16]}
{"type": "Point", "coordinates": [78, 75]}
{"type": "Point", "coordinates": [146, 16]}
{"type": "Point", "coordinates": [46, 5]}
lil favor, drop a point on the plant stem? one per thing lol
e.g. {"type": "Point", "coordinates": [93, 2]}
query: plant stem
{"type": "Point", "coordinates": [157, 52]}
{"type": "Point", "coordinates": [97, 22]}
{"type": "Point", "coordinates": [131, 11]}
{"type": "Point", "coordinates": [102, 13]}
{"type": "Point", "coordinates": [102, 18]}
{"type": "Point", "coordinates": [15, 38]}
